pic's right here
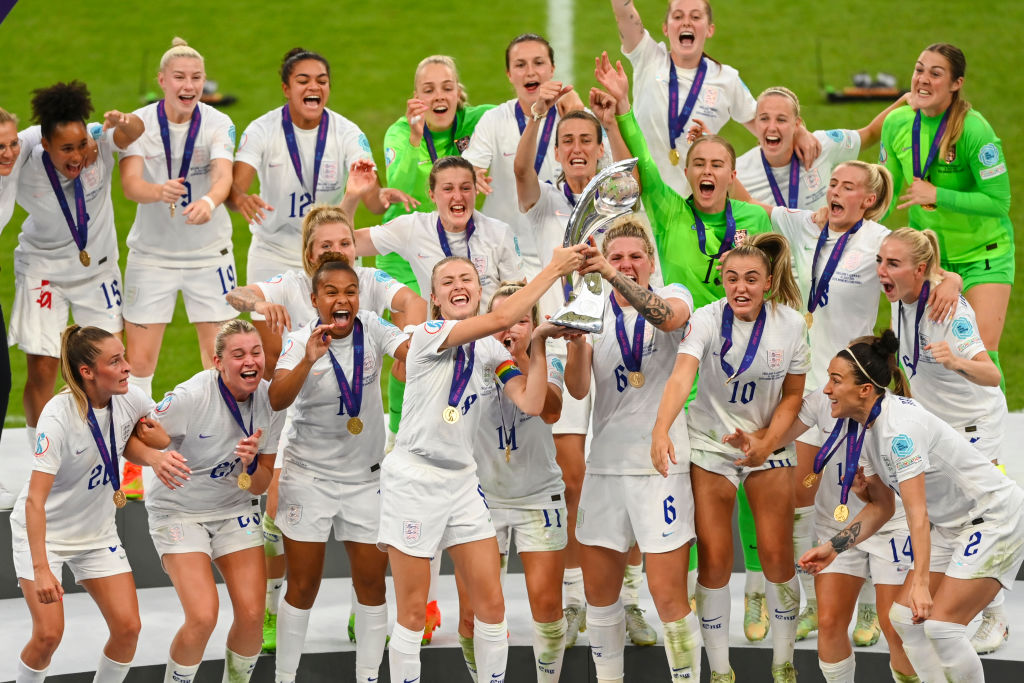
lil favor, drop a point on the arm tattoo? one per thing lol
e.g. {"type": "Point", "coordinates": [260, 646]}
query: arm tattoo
{"type": "Point", "coordinates": [651, 306]}
{"type": "Point", "coordinates": [242, 299]}
{"type": "Point", "coordinates": [846, 538]}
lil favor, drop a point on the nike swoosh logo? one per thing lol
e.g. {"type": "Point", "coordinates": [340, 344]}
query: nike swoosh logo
{"type": "Point", "coordinates": [112, 548]}
{"type": "Point", "coordinates": [708, 621]}
{"type": "Point", "coordinates": [275, 165]}
{"type": "Point", "coordinates": [543, 663]}
{"type": "Point", "coordinates": [79, 452]}
{"type": "Point", "coordinates": [666, 534]}
{"type": "Point", "coordinates": [410, 680]}
{"type": "Point", "coordinates": [784, 611]}
{"type": "Point", "coordinates": [317, 374]}
{"type": "Point", "coordinates": [205, 436]}
{"type": "Point", "coordinates": [508, 154]}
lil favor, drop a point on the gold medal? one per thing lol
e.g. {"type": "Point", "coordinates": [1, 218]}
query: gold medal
{"type": "Point", "coordinates": [636, 379]}
{"type": "Point", "coordinates": [450, 415]}
{"type": "Point", "coordinates": [83, 258]}
{"type": "Point", "coordinates": [172, 208]}
{"type": "Point", "coordinates": [841, 513]}
{"type": "Point", "coordinates": [929, 207]}
{"type": "Point", "coordinates": [809, 319]}
{"type": "Point", "coordinates": [810, 479]}
{"type": "Point", "coordinates": [244, 481]}
{"type": "Point", "coordinates": [508, 453]}
{"type": "Point", "coordinates": [120, 500]}
{"type": "Point", "coordinates": [673, 156]}
{"type": "Point", "coordinates": [354, 425]}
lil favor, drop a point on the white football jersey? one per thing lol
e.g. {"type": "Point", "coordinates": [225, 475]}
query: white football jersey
{"type": "Point", "coordinates": [961, 484]}
{"type": "Point", "coordinates": [157, 239]}
{"type": "Point", "coordinates": [946, 393]}
{"type": "Point", "coordinates": [414, 237]}
{"type": "Point", "coordinates": [80, 507]}
{"type": "Point", "coordinates": [264, 148]}
{"type": "Point", "coordinates": [318, 440]}
{"type": "Point", "coordinates": [749, 401]}
{"type": "Point", "coordinates": [851, 306]}
{"type": "Point", "coordinates": [425, 437]}
{"type": "Point", "coordinates": [46, 248]}
{"type": "Point", "coordinates": [623, 416]}
{"type": "Point", "coordinates": [292, 289]}
{"type": "Point", "coordinates": [203, 430]}
{"type": "Point", "coordinates": [837, 146]}
{"type": "Point", "coordinates": [27, 140]}
{"type": "Point", "coordinates": [816, 411]}
{"type": "Point", "coordinates": [723, 96]}
{"type": "Point", "coordinates": [530, 478]}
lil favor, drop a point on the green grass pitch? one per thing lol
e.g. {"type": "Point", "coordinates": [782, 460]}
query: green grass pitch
{"type": "Point", "coordinates": [374, 46]}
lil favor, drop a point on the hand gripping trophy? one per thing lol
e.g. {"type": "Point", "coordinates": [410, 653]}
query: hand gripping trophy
{"type": "Point", "coordinates": [612, 193]}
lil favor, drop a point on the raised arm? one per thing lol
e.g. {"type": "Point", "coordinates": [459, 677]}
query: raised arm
{"type": "Point", "coordinates": [127, 127]}
{"type": "Point", "coordinates": [631, 27]}
{"type": "Point", "coordinates": [287, 383]}
{"type": "Point", "coordinates": [527, 183]}
{"type": "Point", "coordinates": [251, 299]}
{"type": "Point", "coordinates": [665, 314]}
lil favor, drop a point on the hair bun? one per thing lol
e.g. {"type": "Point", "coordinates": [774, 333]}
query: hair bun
{"type": "Point", "coordinates": [178, 42]}
{"type": "Point", "coordinates": [887, 344]}
{"type": "Point", "coordinates": [292, 52]}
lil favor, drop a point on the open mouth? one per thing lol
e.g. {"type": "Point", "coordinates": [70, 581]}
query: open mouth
{"type": "Point", "coordinates": [772, 140]}
{"type": "Point", "coordinates": [578, 162]}
{"type": "Point", "coordinates": [706, 188]}
{"type": "Point", "coordinates": [531, 86]}
{"type": "Point", "coordinates": [440, 109]}
{"type": "Point", "coordinates": [686, 38]}
{"type": "Point", "coordinates": [888, 287]}
{"type": "Point", "coordinates": [460, 299]}
{"type": "Point", "coordinates": [249, 374]}
{"type": "Point", "coordinates": [312, 100]}
{"type": "Point", "coordinates": [457, 209]}
{"type": "Point", "coordinates": [186, 99]}
{"type": "Point", "coordinates": [741, 300]}
{"type": "Point", "coordinates": [835, 208]}
{"type": "Point", "coordinates": [341, 317]}
{"type": "Point", "coordinates": [507, 342]}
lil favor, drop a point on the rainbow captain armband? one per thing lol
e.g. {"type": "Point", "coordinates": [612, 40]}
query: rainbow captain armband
{"type": "Point", "coordinates": [506, 371]}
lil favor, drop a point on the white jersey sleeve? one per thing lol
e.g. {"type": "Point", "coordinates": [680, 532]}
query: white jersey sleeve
{"type": "Point", "coordinates": [27, 140]}
{"type": "Point", "coordinates": [377, 290]}
{"type": "Point", "coordinates": [157, 238]}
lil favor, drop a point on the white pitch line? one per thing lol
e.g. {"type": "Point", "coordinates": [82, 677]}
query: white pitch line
{"type": "Point", "coordinates": [560, 35]}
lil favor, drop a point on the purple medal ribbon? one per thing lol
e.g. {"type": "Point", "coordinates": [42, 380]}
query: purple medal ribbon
{"type": "Point", "coordinates": [752, 344]}
{"type": "Point", "coordinates": [819, 289]}
{"type": "Point", "coordinates": [463, 371]}
{"type": "Point", "coordinates": [351, 395]}
{"type": "Point", "coordinates": [569, 196]}
{"type": "Point", "coordinates": [109, 457]}
{"type": "Point", "coordinates": [293, 148]}
{"type": "Point", "coordinates": [922, 300]}
{"type": "Point", "coordinates": [79, 229]}
{"type": "Point", "coordinates": [232, 405]}
{"type": "Point", "coordinates": [632, 355]}
{"type": "Point", "coordinates": [443, 238]}
{"type": "Point", "coordinates": [429, 137]}
{"type": "Point", "coordinates": [794, 182]}
{"type": "Point", "coordinates": [677, 119]}
{"type": "Point", "coordinates": [730, 230]}
{"type": "Point", "coordinates": [190, 139]}
{"type": "Point", "coordinates": [854, 444]}
{"type": "Point", "coordinates": [828, 449]}
{"type": "Point", "coordinates": [933, 151]}
{"type": "Point", "coordinates": [545, 136]}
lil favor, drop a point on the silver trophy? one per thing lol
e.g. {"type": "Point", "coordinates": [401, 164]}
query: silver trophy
{"type": "Point", "coordinates": [612, 193]}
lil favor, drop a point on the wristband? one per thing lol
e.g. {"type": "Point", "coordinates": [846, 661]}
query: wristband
{"type": "Point", "coordinates": [533, 112]}
{"type": "Point", "coordinates": [209, 201]}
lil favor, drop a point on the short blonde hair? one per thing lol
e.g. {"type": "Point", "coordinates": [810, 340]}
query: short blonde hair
{"type": "Point", "coordinates": [878, 180]}
{"type": "Point", "coordinates": [782, 91]}
{"type": "Point", "coordinates": [924, 248]}
{"type": "Point", "coordinates": [7, 117]}
{"type": "Point", "coordinates": [320, 214]}
{"type": "Point", "coordinates": [449, 62]}
{"type": "Point", "coordinates": [628, 226]}
{"type": "Point", "coordinates": [179, 49]}
{"type": "Point", "coordinates": [230, 329]}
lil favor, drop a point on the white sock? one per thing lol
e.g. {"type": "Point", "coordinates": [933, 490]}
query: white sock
{"type": "Point", "coordinates": [273, 594]}
{"type": "Point", "coordinates": [27, 674]}
{"type": "Point", "coordinates": [631, 582]}
{"type": "Point", "coordinates": [352, 602]}
{"type": "Point", "coordinates": [839, 672]}
{"type": "Point", "coordinates": [30, 432]}
{"type": "Point", "coordinates": [713, 606]}
{"type": "Point", "coordinates": [682, 648]}
{"type": "Point", "coordinates": [803, 540]}
{"type": "Point", "coordinates": [572, 587]}
{"type": "Point", "coordinates": [404, 653]}
{"type": "Point", "coordinates": [996, 606]}
{"type": "Point", "coordinates": [110, 671]}
{"type": "Point", "coordinates": [959, 660]}
{"type": "Point", "coordinates": [548, 649]}
{"type": "Point", "coordinates": [783, 601]}
{"type": "Point", "coordinates": [179, 673]}
{"type": "Point", "coordinates": [435, 577]}
{"type": "Point", "coordinates": [144, 383]}
{"type": "Point", "coordinates": [753, 582]}
{"type": "Point", "coordinates": [919, 649]}
{"type": "Point", "coordinates": [371, 635]}
{"type": "Point", "coordinates": [292, 624]}
{"type": "Point", "coordinates": [607, 629]}
{"type": "Point", "coordinates": [490, 642]}
{"type": "Point", "coordinates": [238, 668]}
{"type": "Point", "coordinates": [468, 655]}
{"type": "Point", "coordinates": [867, 594]}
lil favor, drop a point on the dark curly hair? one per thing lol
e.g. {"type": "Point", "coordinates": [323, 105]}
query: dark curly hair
{"type": "Point", "coordinates": [59, 104]}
